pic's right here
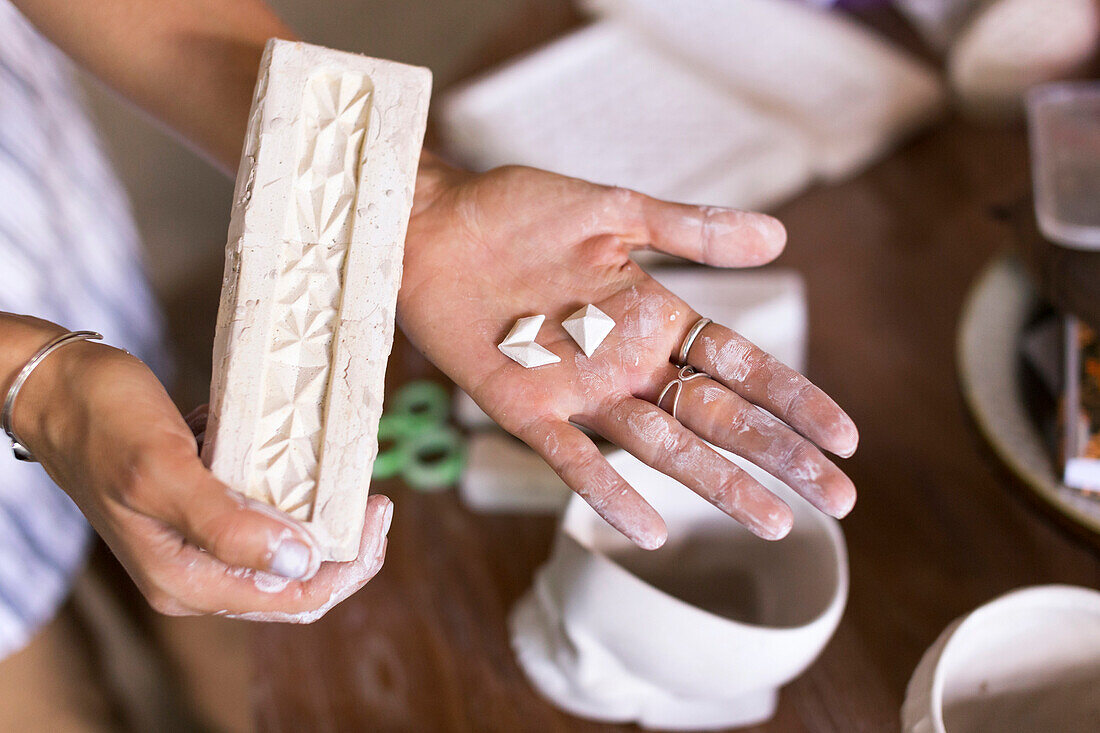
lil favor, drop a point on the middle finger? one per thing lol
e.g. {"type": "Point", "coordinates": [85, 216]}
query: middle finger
{"type": "Point", "coordinates": [658, 440]}
{"type": "Point", "coordinates": [726, 419]}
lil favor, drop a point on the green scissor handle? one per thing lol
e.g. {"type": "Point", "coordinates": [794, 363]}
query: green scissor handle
{"type": "Point", "coordinates": [422, 400]}
{"type": "Point", "coordinates": [433, 460]}
{"type": "Point", "coordinates": [425, 452]}
{"type": "Point", "coordinates": [392, 429]}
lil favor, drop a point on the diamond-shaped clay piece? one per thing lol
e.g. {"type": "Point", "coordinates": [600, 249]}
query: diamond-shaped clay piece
{"type": "Point", "coordinates": [525, 331]}
{"type": "Point", "coordinates": [519, 345]}
{"type": "Point", "coordinates": [589, 327]}
{"type": "Point", "coordinates": [529, 354]}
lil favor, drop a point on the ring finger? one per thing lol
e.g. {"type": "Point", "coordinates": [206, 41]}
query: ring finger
{"type": "Point", "coordinates": [760, 378]}
{"type": "Point", "coordinates": [655, 438]}
{"type": "Point", "coordinates": [726, 419]}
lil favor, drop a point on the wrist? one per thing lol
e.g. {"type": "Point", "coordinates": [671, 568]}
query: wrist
{"type": "Point", "coordinates": [36, 417]}
{"type": "Point", "coordinates": [433, 176]}
{"type": "Point", "coordinates": [20, 338]}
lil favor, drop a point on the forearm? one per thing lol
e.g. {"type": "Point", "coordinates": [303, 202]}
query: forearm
{"type": "Point", "coordinates": [192, 64]}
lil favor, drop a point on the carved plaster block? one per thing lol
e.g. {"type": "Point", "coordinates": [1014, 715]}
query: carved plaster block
{"type": "Point", "coordinates": [589, 327]}
{"type": "Point", "coordinates": [312, 269]}
{"type": "Point", "coordinates": [519, 345]}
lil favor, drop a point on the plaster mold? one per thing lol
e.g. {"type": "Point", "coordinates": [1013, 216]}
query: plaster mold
{"type": "Point", "coordinates": [519, 345]}
{"type": "Point", "coordinates": [313, 266]}
{"type": "Point", "coordinates": [589, 327]}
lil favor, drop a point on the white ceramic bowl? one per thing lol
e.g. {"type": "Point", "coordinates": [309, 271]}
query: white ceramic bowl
{"type": "Point", "coordinates": [698, 634]}
{"type": "Point", "coordinates": [1026, 662]}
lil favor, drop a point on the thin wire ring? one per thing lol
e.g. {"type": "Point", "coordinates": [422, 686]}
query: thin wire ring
{"type": "Point", "coordinates": [692, 334]}
{"type": "Point", "coordinates": [686, 374]}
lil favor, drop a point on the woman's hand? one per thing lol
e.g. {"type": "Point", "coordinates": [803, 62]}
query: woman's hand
{"type": "Point", "coordinates": [484, 250]}
{"type": "Point", "coordinates": [106, 431]}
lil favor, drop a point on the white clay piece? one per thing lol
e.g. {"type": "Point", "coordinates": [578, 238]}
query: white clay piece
{"type": "Point", "coordinates": [313, 265]}
{"type": "Point", "coordinates": [589, 327]}
{"type": "Point", "coordinates": [519, 345]}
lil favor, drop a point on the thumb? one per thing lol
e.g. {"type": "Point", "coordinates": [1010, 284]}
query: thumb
{"type": "Point", "coordinates": [237, 530]}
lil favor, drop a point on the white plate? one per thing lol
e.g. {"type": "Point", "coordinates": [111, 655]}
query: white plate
{"type": "Point", "coordinates": [996, 312]}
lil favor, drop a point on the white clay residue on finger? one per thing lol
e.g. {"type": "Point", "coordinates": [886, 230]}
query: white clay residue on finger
{"type": "Point", "coordinates": [290, 529]}
{"type": "Point", "coordinates": [354, 575]}
{"type": "Point", "coordinates": [736, 496]}
{"type": "Point", "coordinates": [806, 472]}
{"type": "Point", "coordinates": [785, 387]}
{"type": "Point", "coordinates": [709, 393]}
{"type": "Point", "coordinates": [732, 360]}
{"type": "Point", "coordinates": [653, 429]}
{"type": "Point", "coordinates": [348, 578]}
{"type": "Point", "coordinates": [755, 419]}
{"type": "Point", "coordinates": [264, 582]}
{"type": "Point", "coordinates": [269, 582]}
{"type": "Point", "coordinates": [630, 515]}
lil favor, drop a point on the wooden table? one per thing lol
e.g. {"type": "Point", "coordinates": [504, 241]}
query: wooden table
{"type": "Point", "coordinates": [939, 528]}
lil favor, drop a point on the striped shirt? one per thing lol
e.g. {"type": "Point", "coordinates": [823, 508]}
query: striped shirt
{"type": "Point", "coordinates": [69, 254]}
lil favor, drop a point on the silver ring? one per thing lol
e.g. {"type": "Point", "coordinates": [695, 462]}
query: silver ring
{"type": "Point", "coordinates": [686, 374]}
{"type": "Point", "coordinates": [690, 339]}
{"type": "Point", "coordinates": [17, 447]}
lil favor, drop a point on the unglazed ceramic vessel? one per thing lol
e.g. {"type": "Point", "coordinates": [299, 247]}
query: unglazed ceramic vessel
{"type": "Point", "coordinates": [699, 634]}
{"type": "Point", "coordinates": [1027, 662]}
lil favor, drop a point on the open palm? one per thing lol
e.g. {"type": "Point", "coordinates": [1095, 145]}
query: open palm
{"type": "Point", "coordinates": [485, 250]}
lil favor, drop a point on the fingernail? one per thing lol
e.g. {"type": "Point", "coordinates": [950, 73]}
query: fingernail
{"type": "Point", "coordinates": [387, 520]}
{"type": "Point", "coordinates": [846, 436]}
{"type": "Point", "coordinates": [772, 530]}
{"type": "Point", "coordinates": [292, 560]}
{"type": "Point", "coordinates": [845, 507]}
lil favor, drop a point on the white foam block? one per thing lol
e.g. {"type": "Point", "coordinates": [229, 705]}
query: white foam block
{"type": "Point", "coordinates": [851, 93]}
{"type": "Point", "coordinates": [504, 475]}
{"type": "Point", "coordinates": [313, 266]}
{"type": "Point", "coordinates": [603, 105]}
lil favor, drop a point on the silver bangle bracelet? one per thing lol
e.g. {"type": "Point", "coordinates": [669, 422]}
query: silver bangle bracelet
{"type": "Point", "coordinates": [17, 447]}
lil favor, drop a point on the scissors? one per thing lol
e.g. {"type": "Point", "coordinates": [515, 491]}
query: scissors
{"type": "Point", "coordinates": [419, 447]}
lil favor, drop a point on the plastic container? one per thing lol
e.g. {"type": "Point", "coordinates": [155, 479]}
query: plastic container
{"type": "Point", "coordinates": [1064, 125]}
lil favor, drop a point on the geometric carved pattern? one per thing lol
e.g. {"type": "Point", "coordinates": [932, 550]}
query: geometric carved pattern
{"type": "Point", "coordinates": [295, 372]}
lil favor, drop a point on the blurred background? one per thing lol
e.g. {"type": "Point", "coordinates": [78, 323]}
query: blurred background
{"type": "Point", "coordinates": [890, 137]}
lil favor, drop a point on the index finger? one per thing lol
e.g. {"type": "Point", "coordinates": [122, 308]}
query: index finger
{"type": "Point", "coordinates": [710, 235]}
{"type": "Point", "coordinates": [764, 380]}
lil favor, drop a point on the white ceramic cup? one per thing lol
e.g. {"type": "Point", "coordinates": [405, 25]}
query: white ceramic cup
{"type": "Point", "coordinates": [1026, 662]}
{"type": "Point", "coordinates": [699, 634]}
